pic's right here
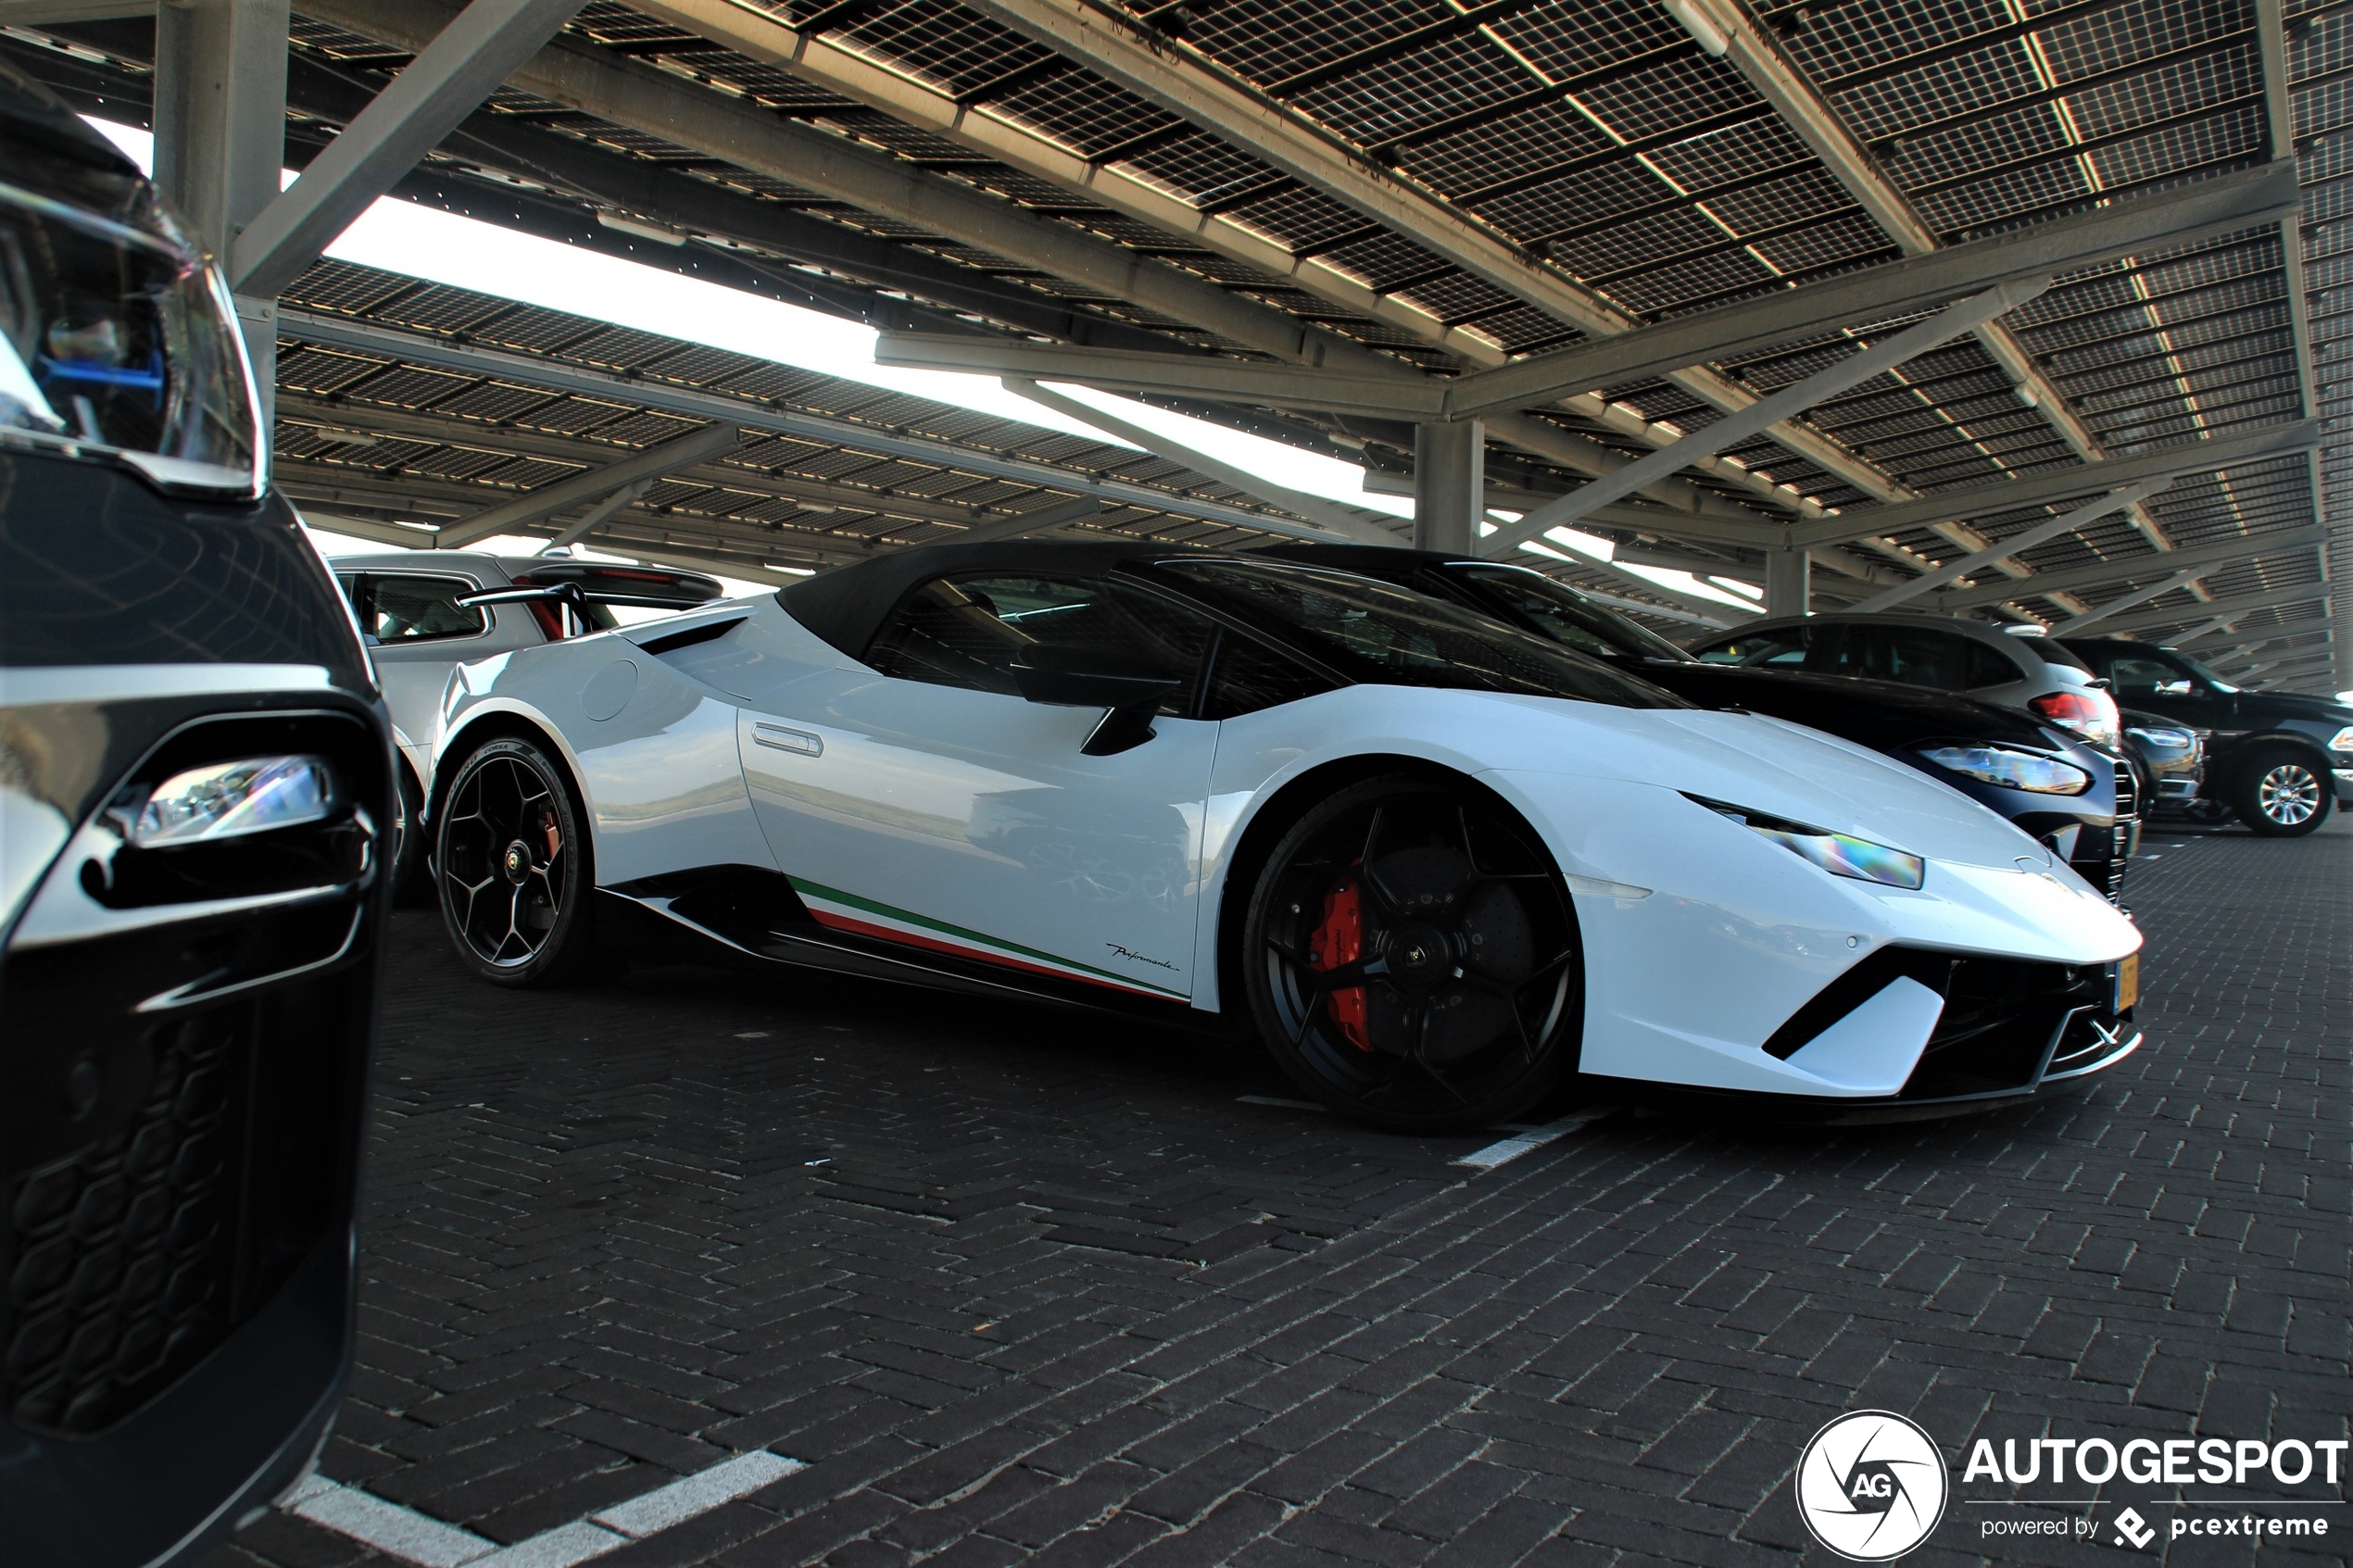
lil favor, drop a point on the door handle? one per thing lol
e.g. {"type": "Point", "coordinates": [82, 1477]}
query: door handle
{"type": "Point", "coordinates": [783, 737]}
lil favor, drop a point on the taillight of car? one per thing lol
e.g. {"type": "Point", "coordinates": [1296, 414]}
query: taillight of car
{"type": "Point", "coordinates": [2091, 714]}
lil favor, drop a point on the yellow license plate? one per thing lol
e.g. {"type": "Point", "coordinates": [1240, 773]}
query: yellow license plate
{"type": "Point", "coordinates": [2127, 981]}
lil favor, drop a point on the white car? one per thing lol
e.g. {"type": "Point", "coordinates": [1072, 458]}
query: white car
{"type": "Point", "coordinates": [1436, 863]}
{"type": "Point", "coordinates": [422, 612]}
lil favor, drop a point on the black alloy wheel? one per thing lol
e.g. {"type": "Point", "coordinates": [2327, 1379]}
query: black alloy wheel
{"type": "Point", "coordinates": [1412, 960]}
{"type": "Point", "coordinates": [511, 860]}
{"type": "Point", "coordinates": [2280, 794]}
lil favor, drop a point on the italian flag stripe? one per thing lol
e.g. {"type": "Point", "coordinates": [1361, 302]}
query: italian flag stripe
{"type": "Point", "coordinates": [866, 917]}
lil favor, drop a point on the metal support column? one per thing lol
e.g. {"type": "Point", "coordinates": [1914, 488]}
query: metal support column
{"type": "Point", "coordinates": [1450, 484]}
{"type": "Point", "coordinates": [221, 136]}
{"type": "Point", "coordinates": [1785, 582]}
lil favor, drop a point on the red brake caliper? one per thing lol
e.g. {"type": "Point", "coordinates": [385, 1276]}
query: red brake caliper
{"type": "Point", "coordinates": [1339, 940]}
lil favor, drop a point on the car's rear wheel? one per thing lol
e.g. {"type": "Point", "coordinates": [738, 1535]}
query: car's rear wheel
{"type": "Point", "coordinates": [1412, 956]}
{"type": "Point", "coordinates": [510, 858]}
{"type": "Point", "coordinates": [2280, 794]}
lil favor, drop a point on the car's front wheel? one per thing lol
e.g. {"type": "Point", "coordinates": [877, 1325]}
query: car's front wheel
{"type": "Point", "coordinates": [510, 858]}
{"type": "Point", "coordinates": [1412, 956]}
{"type": "Point", "coordinates": [2280, 794]}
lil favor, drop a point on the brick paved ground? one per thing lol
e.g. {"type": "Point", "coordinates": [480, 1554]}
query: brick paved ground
{"type": "Point", "coordinates": [1019, 1287]}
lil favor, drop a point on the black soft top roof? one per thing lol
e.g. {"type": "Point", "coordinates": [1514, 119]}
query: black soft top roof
{"type": "Point", "coordinates": [846, 606]}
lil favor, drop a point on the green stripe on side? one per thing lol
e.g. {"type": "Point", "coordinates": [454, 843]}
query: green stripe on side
{"type": "Point", "coordinates": [890, 912]}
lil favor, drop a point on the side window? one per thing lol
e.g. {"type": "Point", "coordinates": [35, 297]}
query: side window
{"type": "Point", "coordinates": [2145, 678]}
{"type": "Point", "coordinates": [1781, 648]}
{"type": "Point", "coordinates": [415, 610]}
{"type": "Point", "coordinates": [971, 631]}
{"type": "Point", "coordinates": [1247, 677]}
{"type": "Point", "coordinates": [1983, 666]}
{"type": "Point", "coordinates": [1912, 656]}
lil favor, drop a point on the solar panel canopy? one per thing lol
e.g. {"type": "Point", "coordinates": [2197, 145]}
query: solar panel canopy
{"type": "Point", "coordinates": [1394, 192]}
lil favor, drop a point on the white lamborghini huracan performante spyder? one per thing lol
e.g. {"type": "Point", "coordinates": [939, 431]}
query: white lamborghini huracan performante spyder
{"type": "Point", "coordinates": [1438, 864]}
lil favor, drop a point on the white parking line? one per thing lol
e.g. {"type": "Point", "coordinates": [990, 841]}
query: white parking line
{"type": "Point", "coordinates": [1280, 1104]}
{"type": "Point", "coordinates": [1519, 1143]}
{"type": "Point", "coordinates": [427, 1542]}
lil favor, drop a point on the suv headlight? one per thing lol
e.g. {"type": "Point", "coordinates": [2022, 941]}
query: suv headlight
{"type": "Point", "coordinates": [230, 800]}
{"type": "Point", "coordinates": [1837, 853]}
{"type": "Point", "coordinates": [2342, 740]}
{"type": "Point", "coordinates": [2013, 770]}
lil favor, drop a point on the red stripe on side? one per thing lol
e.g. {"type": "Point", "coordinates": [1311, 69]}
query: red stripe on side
{"type": "Point", "coordinates": [861, 928]}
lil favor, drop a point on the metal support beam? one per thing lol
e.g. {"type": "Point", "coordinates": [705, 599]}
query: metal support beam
{"type": "Point", "coordinates": [2200, 643]}
{"type": "Point", "coordinates": [2302, 593]}
{"type": "Point", "coordinates": [49, 13]}
{"type": "Point", "coordinates": [1044, 519]}
{"type": "Point", "coordinates": [1760, 58]}
{"type": "Point", "coordinates": [1131, 54]}
{"type": "Point", "coordinates": [2270, 32]}
{"type": "Point", "coordinates": [424, 103]}
{"type": "Point", "coordinates": [739, 132]}
{"type": "Point", "coordinates": [2061, 484]}
{"type": "Point", "coordinates": [1785, 582]}
{"type": "Point", "coordinates": [646, 98]}
{"type": "Point", "coordinates": [2066, 522]}
{"type": "Point", "coordinates": [1450, 484]}
{"type": "Point", "coordinates": [2233, 551]}
{"type": "Point", "coordinates": [334, 332]}
{"type": "Point", "coordinates": [1791, 401]}
{"type": "Point", "coordinates": [1397, 393]}
{"type": "Point", "coordinates": [2107, 607]}
{"type": "Point", "coordinates": [221, 138]}
{"type": "Point", "coordinates": [1878, 293]}
{"type": "Point", "coordinates": [565, 493]}
{"type": "Point", "coordinates": [1321, 518]}
{"type": "Point", "coordinates": [602, 512]}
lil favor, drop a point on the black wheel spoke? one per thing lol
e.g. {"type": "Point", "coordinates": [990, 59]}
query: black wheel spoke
{"type": "Point", "coordinates": [1437, 878]}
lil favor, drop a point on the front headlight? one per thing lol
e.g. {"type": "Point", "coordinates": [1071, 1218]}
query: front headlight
{"type": "Point", "coordinates": [230, 799]}
{"type": "Point", "coordinates": [2014, 770]}
{"type": "Point", "coordinates": [2342, 740]}
{"type": "Point", "coordinates": [2163, 740]}
{"type": "Point", "coordinates": [1837, 853]}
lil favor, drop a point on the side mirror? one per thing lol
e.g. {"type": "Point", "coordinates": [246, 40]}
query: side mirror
{"type": "Point", "coordinates": [1128, 689]}
{"type": "Point", "coordinates": [2175, 689]}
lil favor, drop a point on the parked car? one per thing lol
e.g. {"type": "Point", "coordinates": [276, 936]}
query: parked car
{"type": "Point", "coordinates": [2044, 779]}
{"type": "Point", "coordinates": [422, 612]}
{"type": "Point", "coordinates": [2171, 761]}
{"type": "Point", "coordinates": [195, 799]}
{"type": "Point", "coordinates": [1438, 863]}
{"type": "Point", "coordinates": [2277, 759]}
{"type": "Point", "coordinates": [2035, 673]}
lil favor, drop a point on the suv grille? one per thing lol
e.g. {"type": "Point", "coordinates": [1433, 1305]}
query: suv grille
{"type": "Point", "coordinates": [181, 1096]}
{"type": "Point", "coordinates": [120, 1279]}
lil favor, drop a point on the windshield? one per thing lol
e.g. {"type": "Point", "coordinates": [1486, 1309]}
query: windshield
{"type": "Point", "coordinates": [1567, 616]}
{"type": "Point", "coordinates": [117, 339]}
{"type": "Point", "coordinates": [1387, 635]}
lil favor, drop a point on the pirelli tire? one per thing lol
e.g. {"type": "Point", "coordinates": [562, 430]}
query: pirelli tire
{"type": "Point", "coordinates": [1412, 956]}
{"type": "Point", "coordinates": [513, 867]}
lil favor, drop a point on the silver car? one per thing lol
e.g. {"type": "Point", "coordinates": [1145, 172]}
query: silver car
{"type": "Point", "coordinates": [424, 612]}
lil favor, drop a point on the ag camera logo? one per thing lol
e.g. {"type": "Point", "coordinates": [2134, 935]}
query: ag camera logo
{"type": "Point", "coordinates": [1871, 1486]}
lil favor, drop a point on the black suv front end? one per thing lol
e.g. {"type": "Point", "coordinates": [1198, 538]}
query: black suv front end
{"type": "Point", "coordinates": [196, 806]}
